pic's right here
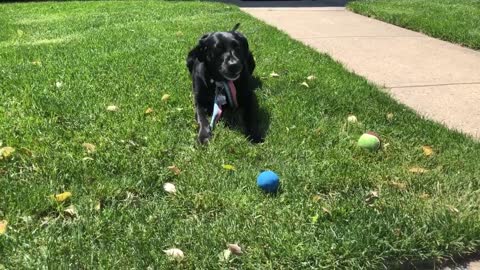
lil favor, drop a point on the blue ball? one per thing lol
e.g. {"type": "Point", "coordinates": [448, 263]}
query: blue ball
{"type": "Point", "coordinates": [268, 181]}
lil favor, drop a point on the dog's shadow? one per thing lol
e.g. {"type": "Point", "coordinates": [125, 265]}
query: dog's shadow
{"type": "Point", "coordinates": [233, 121]}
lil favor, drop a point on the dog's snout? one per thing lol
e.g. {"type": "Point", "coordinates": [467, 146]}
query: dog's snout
{"type": "Point", "coordinates": [232, 60]}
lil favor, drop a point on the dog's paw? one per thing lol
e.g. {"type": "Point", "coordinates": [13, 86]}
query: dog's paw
{"type": "Point", "coordinates": [255, 138]}
{"type": "Point", "coordinates": [204, 135]}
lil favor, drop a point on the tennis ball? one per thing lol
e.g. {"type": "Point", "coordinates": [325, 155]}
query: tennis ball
{"type": "Point", "coordinates": [369, 141]}
{"type": "Point", "coordinates": [268, 181]}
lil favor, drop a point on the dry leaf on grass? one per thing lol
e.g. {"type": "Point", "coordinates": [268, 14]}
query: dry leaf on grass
{"type": "Point", "coordinates": [305, 84]}
{"type": "Point", "coordinates": [352, 119]}
{"type": "Point", "coordinates": [165, 97]}
{"type": "Point", "coordinates": [427, 150]}
{"type": "Point", "coordinates": [316, 198]}
{"type": "Point", "coordinates": [424, 196]}
{"type": "Point", "coordinates": [235, 249]}
{"type": "Point", "coordinates": [399, 185]}
{"type": "Point", "coordinates": [112, 108]}
{"type": "Point", "coordinates": [225, 255]}
{"type": "Point", "coordinates": [98, 206]}
{"type": "Point", "coordinates": [372, 196]}
{"type": "Point", "coordinates": [389, 116]}
{"type": "Point", "coordinates": [6, 152]}
{"type": "Point", "coordinates": [417, 170]}
{"type": "Point", "coordinates": [90, 148]}
{"type": "Point", "coordinates": [274, 75]}
{"type": "Point", "coordinates": [174, 169]}
{"type": "Point", "coordinates": [3, 226]}
{"type": "Point", "coordinates": [315, 219]}
{"type": "Point", "coordinates": [170, 188]}
{"type": "Point", "coordinates": [453, 209]}
{"type": "Point", "coordinates": [148, 111]}
{"type": "Point", "coordinates": [311, 78]}
{"type": "Point", "coordinates": [228, 167]}
{"type": "Point", "coordinates": [175, 253]}
{"type": "Point", "coordinates": [71, 211]}
{"type": "Point", "coordinates": [62, 196]}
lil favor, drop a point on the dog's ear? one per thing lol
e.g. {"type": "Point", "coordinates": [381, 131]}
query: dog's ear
{"type": "Point", "coordinates": [235, 27]}
{"type": "Point", "coordinates": [248, 56]}
{"type": "Point", "coordinates": [198, 52]}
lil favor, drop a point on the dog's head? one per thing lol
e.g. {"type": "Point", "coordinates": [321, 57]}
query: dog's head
{"type": "Point", "coordinates": [225, 54]}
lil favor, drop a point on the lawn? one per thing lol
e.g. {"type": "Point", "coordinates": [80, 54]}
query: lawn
{"type": "Point", "coordinates": [456, 21]}
{"type": "Point", "coordinates": [63, 64]}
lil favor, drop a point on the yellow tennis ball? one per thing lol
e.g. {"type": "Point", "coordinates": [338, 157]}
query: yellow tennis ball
{"type": "Point", "coordinates": [369, 141]}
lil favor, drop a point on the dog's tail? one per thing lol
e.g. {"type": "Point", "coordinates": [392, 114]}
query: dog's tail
{"type": "Point", "coordinates": [235, 27]}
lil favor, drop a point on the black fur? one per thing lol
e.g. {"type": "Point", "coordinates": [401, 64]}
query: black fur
{"type": "Point", "coordinates": [221, 56]}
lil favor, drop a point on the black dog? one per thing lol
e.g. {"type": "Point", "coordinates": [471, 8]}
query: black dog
{"type": "Point", "coordinates": [219, 58]}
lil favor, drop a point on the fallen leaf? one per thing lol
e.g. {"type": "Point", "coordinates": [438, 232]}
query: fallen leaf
{"type": "Point", "coordinates": [225, 256]}
{"type": "Point", "coordinates": [326, 211]}
{"type": "Point", "coordinates": [397, 232]}
{"type": "Point", "coordinates": [373, 195]}
{"type": "Point", "coordinates": [174, 169]}
{"type": "Point", "coordinates": [316, 198]}
{"type": "Point", "coordinates": [3, 226]}
{"type": "Point", "coordinates": [90, 148]}
{"type": "Point", "coordinates": [165, 97]}
{"type": "Point", "coordinates": [36, 63]}
{"type": "Point", "coordinates": [305, 84]}
{"type": "Point", "coordinates": [62, 196]}
{"type": "Point", "coordinates": [98, 206]}
{"type": "Point", "coordinates": [417, 170]}
{"type": "Point", "coordinates": [228, 167]}
{"type": "Point", "coordinates": [149, 111]}
{"type": "Point", "coordinates": [170, 188]}
{"type": "Point", "coordinates": [427, 150]}
{"type": "Point", "coordinates": [235, 249]}
{"type": "Point", "coordinates": [352, 119]}
{"type": "Point", "coordinates": [311, 78]}
{"type": "Point", "coordinates": [315, 219]}
{"type": "Point", "coordinates": [385, 146]}
{"type": "Point", "coordinates": [178, 33]}
{"type": "Point", "coordinates": [87, 158]}
{"type": "Point", "coordinates": [389, 116]}
{"type": "Point", "coordinates": [175, 253]}
{"type": "Point", "coordinates": [58, 84]}
{"type": "Point", "coordinates": [112, 108]}
{"type": "Point", "coordinates": [71, 211]}
{"type": "Point", "coordinates": [274, 75]}
{"type": "Point", "coordinates": [424, 196]}
{"type": "Point", "coordinates": [453, 209]}
{"type": "Point", "coordinates": [6, 152]}
{"type": "Point", "coordinates": [399, 185]}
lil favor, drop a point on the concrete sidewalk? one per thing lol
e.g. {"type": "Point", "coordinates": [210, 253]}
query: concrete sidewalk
{"type": "Point", "coordinates": [438, 79]}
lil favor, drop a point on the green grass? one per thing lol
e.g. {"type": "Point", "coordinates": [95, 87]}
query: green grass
{"type": "Point", "coordinates": [456, 21]}
{"type": "Point", "coordinates": [132, 53]}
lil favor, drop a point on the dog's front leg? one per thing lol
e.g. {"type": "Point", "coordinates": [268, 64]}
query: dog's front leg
{"type": "Point", "coordinates": [204, 132]}
{"type": "Point", "coordinates": [251, 119]}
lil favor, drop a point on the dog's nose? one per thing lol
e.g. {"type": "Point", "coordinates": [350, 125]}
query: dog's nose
{"type": "Point", "coordinates": [234, 66]}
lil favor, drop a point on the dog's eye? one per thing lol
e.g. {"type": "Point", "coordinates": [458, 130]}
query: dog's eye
{"type": "Point", "coordinates": [220, 47]}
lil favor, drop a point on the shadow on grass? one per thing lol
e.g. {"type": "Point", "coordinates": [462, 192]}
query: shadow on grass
{"type": "Point", "coordinates": [234, 121]}
{"type": "Point", "coordinates": [455, 263]}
